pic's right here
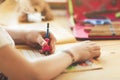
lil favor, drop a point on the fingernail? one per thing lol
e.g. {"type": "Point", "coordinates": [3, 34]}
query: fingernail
{"type": "Point", "coordinates": [43, 43]}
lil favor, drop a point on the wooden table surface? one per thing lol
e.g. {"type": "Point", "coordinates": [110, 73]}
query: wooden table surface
{"type": "Point", "coordinates": [110, 59]}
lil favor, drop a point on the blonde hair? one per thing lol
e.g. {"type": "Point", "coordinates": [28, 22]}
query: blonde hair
{"type": "Point", "coordinates": [25, 6]}
{"type": "Point", "coordinates": [21, 5]}
{"type": "Point", "coordinates": [11, 9]}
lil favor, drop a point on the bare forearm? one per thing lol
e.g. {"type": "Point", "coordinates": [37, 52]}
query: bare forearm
{"type": "Point", "coordinates": [17, 35]}
{"type": "Point", "coordinates": [14, 65]}
{"type": "Point", "coordinates": [12, 62]}
{"type": "Point", "coordinates": [53, 65]}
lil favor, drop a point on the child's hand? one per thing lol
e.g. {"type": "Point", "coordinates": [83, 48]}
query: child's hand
{"type": "Point", "coordinates": [84, 50]}
{"type": "Point", "coordinates": [36, 39]}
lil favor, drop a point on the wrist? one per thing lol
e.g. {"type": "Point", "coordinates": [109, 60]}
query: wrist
{"type": "Point", "coordinates": [71, 55]}
{"type": "Point", "coordinates": [18, 36]}
{"type": "Point", "coordinates": [24, 37]}
{"type": "Point", "coordinates": [5, 38]}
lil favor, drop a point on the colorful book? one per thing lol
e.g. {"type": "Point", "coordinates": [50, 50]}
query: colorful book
{"type": "Point", "coordinates": [84, 66]}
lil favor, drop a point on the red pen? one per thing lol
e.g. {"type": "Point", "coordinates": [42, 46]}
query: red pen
{"type": "Point", "coordinates": [46, 48]}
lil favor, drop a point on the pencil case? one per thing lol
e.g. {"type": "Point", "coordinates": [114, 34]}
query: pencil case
{"type": "Point", "coordinates": [97, 13]}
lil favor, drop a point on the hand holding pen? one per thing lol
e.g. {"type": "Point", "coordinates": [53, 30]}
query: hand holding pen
{"type": "Point", "coordinates": [36, 39]}
{"type": "Point", "coordinates": [47, 48]}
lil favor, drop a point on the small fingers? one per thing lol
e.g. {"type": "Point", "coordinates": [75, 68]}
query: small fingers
{"type": "Point", "coordinates": [96, 54]}
{"type": "Point", "coordinates": [95, 47]}
{"type": "Point", "coordinates": [52, 43]}
{"type": "Point", "coordinates": [40, 40]}
{"type": "Point", "coordinates": [94, 50]}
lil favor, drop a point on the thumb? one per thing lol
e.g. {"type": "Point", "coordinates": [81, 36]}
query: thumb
{"type": "Point", "coordinates": [41, 41]}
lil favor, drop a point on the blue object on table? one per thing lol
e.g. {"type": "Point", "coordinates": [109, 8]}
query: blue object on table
{"type": "Point", "coordinates": [97, 21]}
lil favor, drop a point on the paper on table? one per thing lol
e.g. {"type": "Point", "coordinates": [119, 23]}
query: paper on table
{"type": "Point", "coordinates": [32, 55]}
{"type": "Point", "coordinates": [62, 35]}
